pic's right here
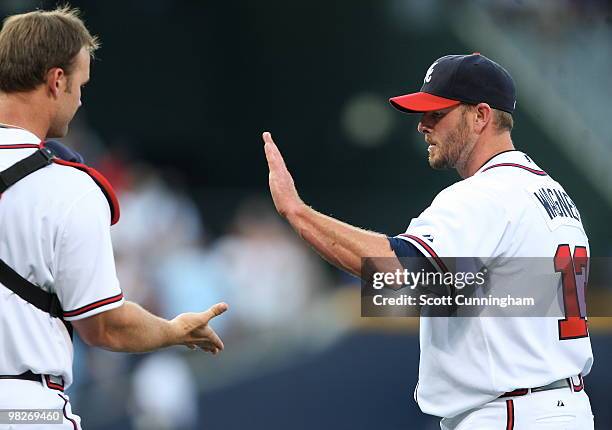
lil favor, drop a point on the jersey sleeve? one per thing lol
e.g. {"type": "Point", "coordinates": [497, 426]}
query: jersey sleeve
{"type": "Point", "coordinates": [461, 222]}
{"type": "Point", "coordinates": [85, 276]}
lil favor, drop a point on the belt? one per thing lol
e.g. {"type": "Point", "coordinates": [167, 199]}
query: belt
{"type": "Point", "coordinates": [53, 382]}
{"type": "Point", "coordinates": [561, 383]}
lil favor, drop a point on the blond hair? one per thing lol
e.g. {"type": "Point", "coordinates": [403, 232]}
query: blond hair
{"type": "Point", "coordinates": [502, 120]}
{"type": "Point", "coordinates": [33, 43]}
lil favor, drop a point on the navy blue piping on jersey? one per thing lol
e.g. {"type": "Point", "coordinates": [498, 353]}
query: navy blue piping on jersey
{"type": "Point", "coordinates": [404, 248]}
{"type": "Point", "coordinates": [429, 250]}
{"type": "Point", "coordinates": [529, 169]}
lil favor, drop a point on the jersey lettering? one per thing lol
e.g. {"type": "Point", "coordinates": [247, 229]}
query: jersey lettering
{"type": "Point", "coordinates": [556, 207]}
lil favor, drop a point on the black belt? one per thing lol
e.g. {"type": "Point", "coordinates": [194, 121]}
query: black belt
{"type": "Point", "coordinates": [31, 376]}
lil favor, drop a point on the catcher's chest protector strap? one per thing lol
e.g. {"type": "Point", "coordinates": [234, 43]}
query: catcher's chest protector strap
{"type": "Point", "coordinates": [101, 181]}
{"type": "Point", "coordinates": [46, 302]}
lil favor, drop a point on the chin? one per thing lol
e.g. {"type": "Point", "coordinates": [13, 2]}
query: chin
{"type": "Point", "coordinates": [438, 163]}
{"type": "Point", "coordinates": [57, 134]}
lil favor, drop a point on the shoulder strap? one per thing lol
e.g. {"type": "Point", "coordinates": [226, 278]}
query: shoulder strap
{"type": "Point", "coordinates": [46, 302]}
{"type": "Point", "coordinates": [29, 292]}
{"type": "Point", "coordinates": [23, 168]}
{"type": "Point", "coordinates": [101, 182]}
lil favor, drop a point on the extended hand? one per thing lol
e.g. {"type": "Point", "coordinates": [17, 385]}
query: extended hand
{"type": "Point", "coordinates": [282, 188]}
{"type": "Point", "coordinates": [193, 331]}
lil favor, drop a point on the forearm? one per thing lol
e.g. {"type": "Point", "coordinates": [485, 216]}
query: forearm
{"type": "Point", "coordinates": [342, 244]}
{"type": "Point", "coordinates": [134, 329]}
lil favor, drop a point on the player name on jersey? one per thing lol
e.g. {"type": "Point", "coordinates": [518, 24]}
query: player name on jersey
{"type": "Point", "coordinates": [557, 203]}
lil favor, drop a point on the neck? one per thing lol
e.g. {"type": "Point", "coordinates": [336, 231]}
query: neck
{"type": "Point", "coordinates": [485, 149]}
{"type": "Point", "coordinates": [25, 110]}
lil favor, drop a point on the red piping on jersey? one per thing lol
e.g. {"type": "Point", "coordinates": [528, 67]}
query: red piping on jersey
{"type": "Point", "coordinates": [21, 146]}
{"type": "Point", "coordinates": [93, 305]}
{"type": "Point", "coordinates": [509, 415]}
{"type": "Point", "coordinates": [101, 181]}
{"type": "Point", "coordinates": [428, 249]}
{"type": "Point", "coordinates": [529, 169]}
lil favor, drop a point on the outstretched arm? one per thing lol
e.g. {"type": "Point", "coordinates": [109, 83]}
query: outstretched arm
{"type": "Point", "coordinates": [130, 328]}
{"type": "Point", "coordinates": [339, 243]}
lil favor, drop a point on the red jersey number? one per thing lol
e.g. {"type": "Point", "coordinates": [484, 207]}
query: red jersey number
{"type": "Point", "coordinates": [573, 326]}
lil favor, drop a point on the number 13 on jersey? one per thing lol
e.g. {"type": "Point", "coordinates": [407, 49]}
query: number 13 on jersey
{"type": "Point", "coordinates": [574, 273]}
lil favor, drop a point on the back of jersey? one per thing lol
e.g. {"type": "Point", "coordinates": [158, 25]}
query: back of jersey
{"type": "Point", "coordinates": [510, 212]}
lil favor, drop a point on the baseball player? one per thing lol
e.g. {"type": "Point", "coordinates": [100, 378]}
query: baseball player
{"type": "Point", "coordinates": [477, 373]}
{"type": "Point", "coordinates": [56, 261]}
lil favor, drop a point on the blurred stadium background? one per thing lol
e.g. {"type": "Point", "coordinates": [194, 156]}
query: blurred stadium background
{"type": "Point", "coordinates": [179, 96]}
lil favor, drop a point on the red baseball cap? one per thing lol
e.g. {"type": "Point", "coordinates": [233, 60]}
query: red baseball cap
{"type": "Point", "coordinates": [421, 102]}
{"type": "Point", "coordinates": [455, 79]}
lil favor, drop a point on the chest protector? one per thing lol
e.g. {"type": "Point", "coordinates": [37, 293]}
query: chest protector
{"type": "Point", "coordinates": [47, 153]}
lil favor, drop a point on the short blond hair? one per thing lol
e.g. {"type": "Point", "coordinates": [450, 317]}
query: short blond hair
{"type": "Point", "coordinates": [502, 120]}
{"type": "Point", "coordinates": [33, 43]}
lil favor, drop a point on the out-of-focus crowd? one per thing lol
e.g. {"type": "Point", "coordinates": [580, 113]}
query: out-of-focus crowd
{"type": "Point", "coordinates": [169, 263]}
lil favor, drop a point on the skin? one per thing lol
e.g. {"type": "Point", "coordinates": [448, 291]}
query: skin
{"type": "Point", "coordinates": [57, 101]}
{"type": "Point", "coordinates": [459, 137]}
{"type": "Point", "coordinates": [462, 137]}
{"type": "Point", "coordinates": [47, 111]}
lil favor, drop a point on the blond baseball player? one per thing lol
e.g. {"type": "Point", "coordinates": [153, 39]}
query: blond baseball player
{"type": "Point", "coordinates": [56, 261]}
{"type": "Point", "coordinates": [476, 372]}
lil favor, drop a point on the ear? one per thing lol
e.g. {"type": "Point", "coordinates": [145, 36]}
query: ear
{"type": "Point", "coordinates": [484, 115]}
{"type": "Point", "coordinates": [56, 81]}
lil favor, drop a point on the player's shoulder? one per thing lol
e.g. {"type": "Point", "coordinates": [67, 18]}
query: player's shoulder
{"type": "Point", "coordinates": [59, 183]}
{"type": "Point", "coordinates": [69, 177]}
{"type": "Point", "coordinates": [468, 192]}
{"type": "Point", "coordinates": [502, 178]}
{"type": "Point", "coordinates": [507, 169]}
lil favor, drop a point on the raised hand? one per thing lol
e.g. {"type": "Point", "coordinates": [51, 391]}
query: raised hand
{"type": "Point", "coordinates": [282, 188]}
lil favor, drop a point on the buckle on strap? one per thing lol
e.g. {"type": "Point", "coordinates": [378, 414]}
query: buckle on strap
{"type": "Point", "coordinates": [47, 154]}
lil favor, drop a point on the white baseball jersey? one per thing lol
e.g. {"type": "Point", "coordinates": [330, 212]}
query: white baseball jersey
{"type": "Point", "coordinates": [54, 232]}
{"type": "Point", "coordinates": [509, 208]}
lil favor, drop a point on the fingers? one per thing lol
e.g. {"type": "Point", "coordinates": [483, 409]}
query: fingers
{"type": "Point", "coordinates": [267, 137]}
{"type": "Point", "coordinates": [205, 346]}
{"type": "Point", "coordinates": [273, 155]}
{"type": "Point", "coordinates": [211, 349]}
{"type": "Point", "coordinates": [214, 311]}
{"type": "Point", "coordinates": [215, 340]}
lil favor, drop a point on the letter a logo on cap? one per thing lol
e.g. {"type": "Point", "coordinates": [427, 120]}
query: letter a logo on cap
{"type": "Point", "coordinates": [429, 72]}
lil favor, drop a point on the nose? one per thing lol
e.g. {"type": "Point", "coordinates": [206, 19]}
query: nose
{"type": "Point", "coordinates": [422, 127]}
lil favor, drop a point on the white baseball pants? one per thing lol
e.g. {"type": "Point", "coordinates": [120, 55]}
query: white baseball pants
{"type": "Point", "coordinates": [18, 394]}
{"type": "Point", "coordinates": [560, 409]}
